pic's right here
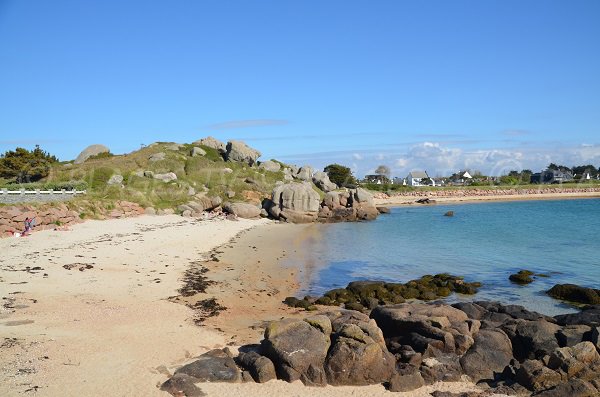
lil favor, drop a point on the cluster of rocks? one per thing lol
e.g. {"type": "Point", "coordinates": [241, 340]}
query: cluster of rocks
{"type": "Point", "coordinates": [199, 205]}
{"type": "Point", "coordinates": [48, 217]}
{"type": "Point", "coordinates": [12, 218]}
{"type": "Point", "coordinates": [367, 295]}
{"type": "Point", "coordinates": [300, 203]}
{"type": "Point", "coordinates": [232, 151]}
{"type": "Point", "coordinates": [504, 349]}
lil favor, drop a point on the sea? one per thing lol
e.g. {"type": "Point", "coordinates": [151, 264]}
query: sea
{"type": "Point", "coordinates": [483, 242]}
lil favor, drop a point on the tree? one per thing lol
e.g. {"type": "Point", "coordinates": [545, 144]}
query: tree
{"type": "Point", "coordinates": [383, 170]}
{"type": "Point", "coordinates": [23, 165]}
{"type": "Point", "coordinates": [340, 175]}
{"type": "Point", "coordinates": [427, 181]}
{"type": "Point", "coordinates": [555, 167]}
{"type": "Point", "coordinates": [584, 169]}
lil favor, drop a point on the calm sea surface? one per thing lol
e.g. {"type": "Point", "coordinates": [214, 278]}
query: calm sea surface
{"type": "Point", "coordinates": [483, 241]}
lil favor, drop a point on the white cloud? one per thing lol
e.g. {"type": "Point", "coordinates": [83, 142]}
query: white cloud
{"type": "Point", "coordinates": [439, 160]}
{"type": "Point", "coordinates": [357, 156]}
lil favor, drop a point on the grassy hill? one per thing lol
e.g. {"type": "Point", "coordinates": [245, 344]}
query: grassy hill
{"type": "Point", "coordinates": [206, 175]}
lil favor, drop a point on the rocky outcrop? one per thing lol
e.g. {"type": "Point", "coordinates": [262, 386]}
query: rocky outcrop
{"type": "Point", "coordinates": [298, 350]}
{"type": "Point", "coordinates": [242, 210]}
{"type": "Point", "coordinates": [239, 151]}
{"type": "Point", "coordinates": [212, 143]}
{"type": "Point", "coordinates": [321, 179]}
{"type": "Point", "coordinates": [300, 203]}
{"type": "Point", "coordinates": [92, 150]}
{"type": "Point", "coordinates": [270, 165]}
{"type": "Point", "coordinates": [408, 345]}
{"type": "Point", "coordinates": [294, 203]}
{"type": "Point", "coordinates": [358, 355]}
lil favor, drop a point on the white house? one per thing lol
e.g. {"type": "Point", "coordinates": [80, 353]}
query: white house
{"type": "Point", "coordinates": [415, 178]}
{"type": "Point", "coordinates": [466, 175]}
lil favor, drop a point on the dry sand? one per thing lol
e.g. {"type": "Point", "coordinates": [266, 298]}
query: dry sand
{"type": "Point", "coordinates": [113, 329]}
{"type": "Point", "coordinates": [394, 201]}
{"type": "Point", "coordinates": [106, 330]}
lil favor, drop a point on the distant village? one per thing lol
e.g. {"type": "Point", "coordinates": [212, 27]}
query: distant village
{"type": "Point", "coordinates": [554, 174]}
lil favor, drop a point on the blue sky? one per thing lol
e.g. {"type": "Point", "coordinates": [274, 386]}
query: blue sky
{"type": "Point", "coordinates": [435, 85]}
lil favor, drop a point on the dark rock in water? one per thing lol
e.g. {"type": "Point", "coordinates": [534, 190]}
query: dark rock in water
{"type": "Point", "coordinates": [589, 315]}
{"type": "Point", "coordinates": [449, 213]}
{"type": "Point", "coordinates": [522, 277]}
{"type": "Point", "coordinates": [405, 380]}
{"type": "Point", "coordinates": [512, 311]}
{"type": "Point", "coordinates": [214, 366]}
{"type": "Point", "coordinates": [383, 210]}
{"type": "Point", "coordinates": [489, 355]}
{"type": "Point", "coordinates": [425, 200]}
{"type": "Point", "coordinates": [575, 293]}
{"type": "Point", "coordinates": [572, 388]}
{"type": "Point", "coordinates": [182, 384]}
{"type": "Point", "coordinates": [536, 377]}
{"type": "Point", "coordinates": [298, 351]}
{"type": "Point", "coordinates": [371, 293]}
{"type": "Point", "coordinates": [260, 367]}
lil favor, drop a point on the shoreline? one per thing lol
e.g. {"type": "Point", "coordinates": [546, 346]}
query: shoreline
{"type": "Point", "coordinates": [405, 201]}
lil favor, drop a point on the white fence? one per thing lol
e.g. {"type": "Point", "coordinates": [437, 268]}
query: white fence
{"type": "Point", "coordinates": [32, 196]}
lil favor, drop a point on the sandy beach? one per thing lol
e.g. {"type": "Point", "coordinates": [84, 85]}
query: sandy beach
{"type": "Point", "coordinates": [99, 311]}
{"type": "Point", "coordinates": [91, 315]}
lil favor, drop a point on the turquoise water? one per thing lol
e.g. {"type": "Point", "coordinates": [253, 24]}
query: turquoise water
{"type": "Point", "coordinates": [483, 241]}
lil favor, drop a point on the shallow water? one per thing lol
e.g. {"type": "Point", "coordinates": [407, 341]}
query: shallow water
{"type": "Point", "coordinates": [483, 241]}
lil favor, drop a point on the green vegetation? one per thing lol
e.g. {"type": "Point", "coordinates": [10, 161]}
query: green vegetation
{"type": "Point", "coordinates": [340, 175]}
{"type": "Point", "coordinates": [22, 165]}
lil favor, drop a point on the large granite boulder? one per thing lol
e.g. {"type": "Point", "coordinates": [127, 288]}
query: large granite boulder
{"type": "Point", "coordinates": [270, 165]}
{"type": "Point", "coordinates": [358, 354]}
{"type": "Point", "coordinates": [321, 179]}
{"type": "Point", "coordinates": [260, 367]}
{"type": "Point", "coordinates": [589, 315]}
{"type": "Point", "coordinates": [213, 366]}
{"type": "Point", "coordinates": [242, 210]}
{"type": "Point", "coordinates": [489, 355]}
{"type": "Point", "coordinates": [305, 173]}
{"type": "Point", "coordinates": [294, 202]}
{"type": "Point", "coordinates": [157, 157]}
{"type": "Point", "coordinates": [167, 177]}
{"type": "Point", "coordinates": [116, 179]}
{"type": "Point", "coordinates": [426, 327]}
{"type": "Point", "coordinates": [197, 151]}
{"type": "Point", "coordinates": [298, 350]}
{"type": "Point", "coordinates": [239, 151]}
{"type": "Point", "coordinates": [213, 143]}
{"type": "Point", "coordinates": [92, 150]}
{"type": "Point", "coordinates": [532, 339]}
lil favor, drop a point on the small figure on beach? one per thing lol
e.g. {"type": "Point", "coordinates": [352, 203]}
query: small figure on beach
{"type": "Point", "coordinates": [29, 224]}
